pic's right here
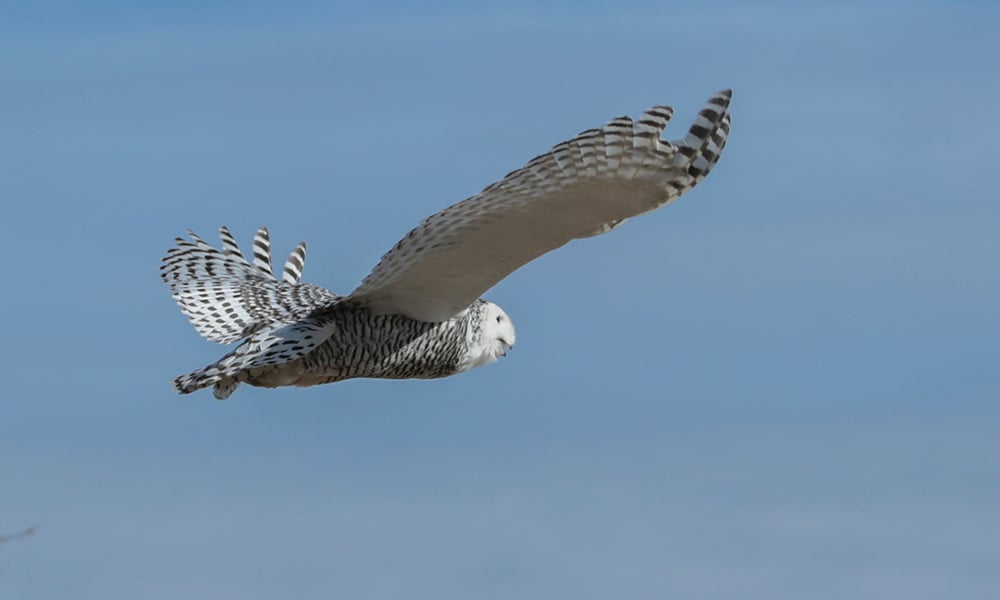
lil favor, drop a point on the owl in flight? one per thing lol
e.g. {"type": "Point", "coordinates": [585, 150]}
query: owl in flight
{"type": "Point", "coordinates": [419, 314]}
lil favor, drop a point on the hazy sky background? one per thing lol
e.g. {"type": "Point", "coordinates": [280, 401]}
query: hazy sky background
{"type": "Point", "coordinates": [784, 386]}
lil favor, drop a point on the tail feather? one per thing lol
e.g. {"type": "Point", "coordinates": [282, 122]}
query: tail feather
{"type": "Point", "coordinates": [265, 349]}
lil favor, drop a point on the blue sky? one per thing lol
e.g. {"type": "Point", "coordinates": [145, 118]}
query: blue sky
{"type": "Point", "coordinates": [784, 385]}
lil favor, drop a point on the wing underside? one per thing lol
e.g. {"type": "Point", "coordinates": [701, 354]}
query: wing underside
{"type": "Point", "coordinates": [582, 187]}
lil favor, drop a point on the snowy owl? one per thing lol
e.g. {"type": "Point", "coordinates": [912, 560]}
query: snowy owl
{"type": "Point", "coordinates": [419, 314]}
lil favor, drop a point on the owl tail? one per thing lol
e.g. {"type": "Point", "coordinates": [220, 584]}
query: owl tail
{"type": "Point", "coordinates": [262, 354]}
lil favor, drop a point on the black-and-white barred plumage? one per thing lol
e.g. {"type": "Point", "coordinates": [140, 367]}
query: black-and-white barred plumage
{"type": "Point", "coordinates": [419, 313]}
{"type": "Point", "coordinates": [227, 298]}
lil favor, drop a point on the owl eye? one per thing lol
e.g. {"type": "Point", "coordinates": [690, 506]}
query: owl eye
{"type": "Point", "coordinates": [499, 318]}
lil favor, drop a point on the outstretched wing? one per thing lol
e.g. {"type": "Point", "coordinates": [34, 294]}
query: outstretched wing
{"type": "Point", "coordinates": [582, 187]}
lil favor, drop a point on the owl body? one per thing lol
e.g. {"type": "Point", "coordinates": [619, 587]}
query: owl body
{"type": "Point", "coordinates": [368, 345]}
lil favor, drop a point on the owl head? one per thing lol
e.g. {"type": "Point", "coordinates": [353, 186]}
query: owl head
{"type": "Point", "coordinates": [497, 331]}
{"type": "Point", "coordinates": [491, 335]}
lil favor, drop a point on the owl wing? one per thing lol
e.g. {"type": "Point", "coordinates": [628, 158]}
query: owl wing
{"type": "Point", "coordinates": [228, 298]}
{"type": "Point", "coordinates": [582, 187]}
